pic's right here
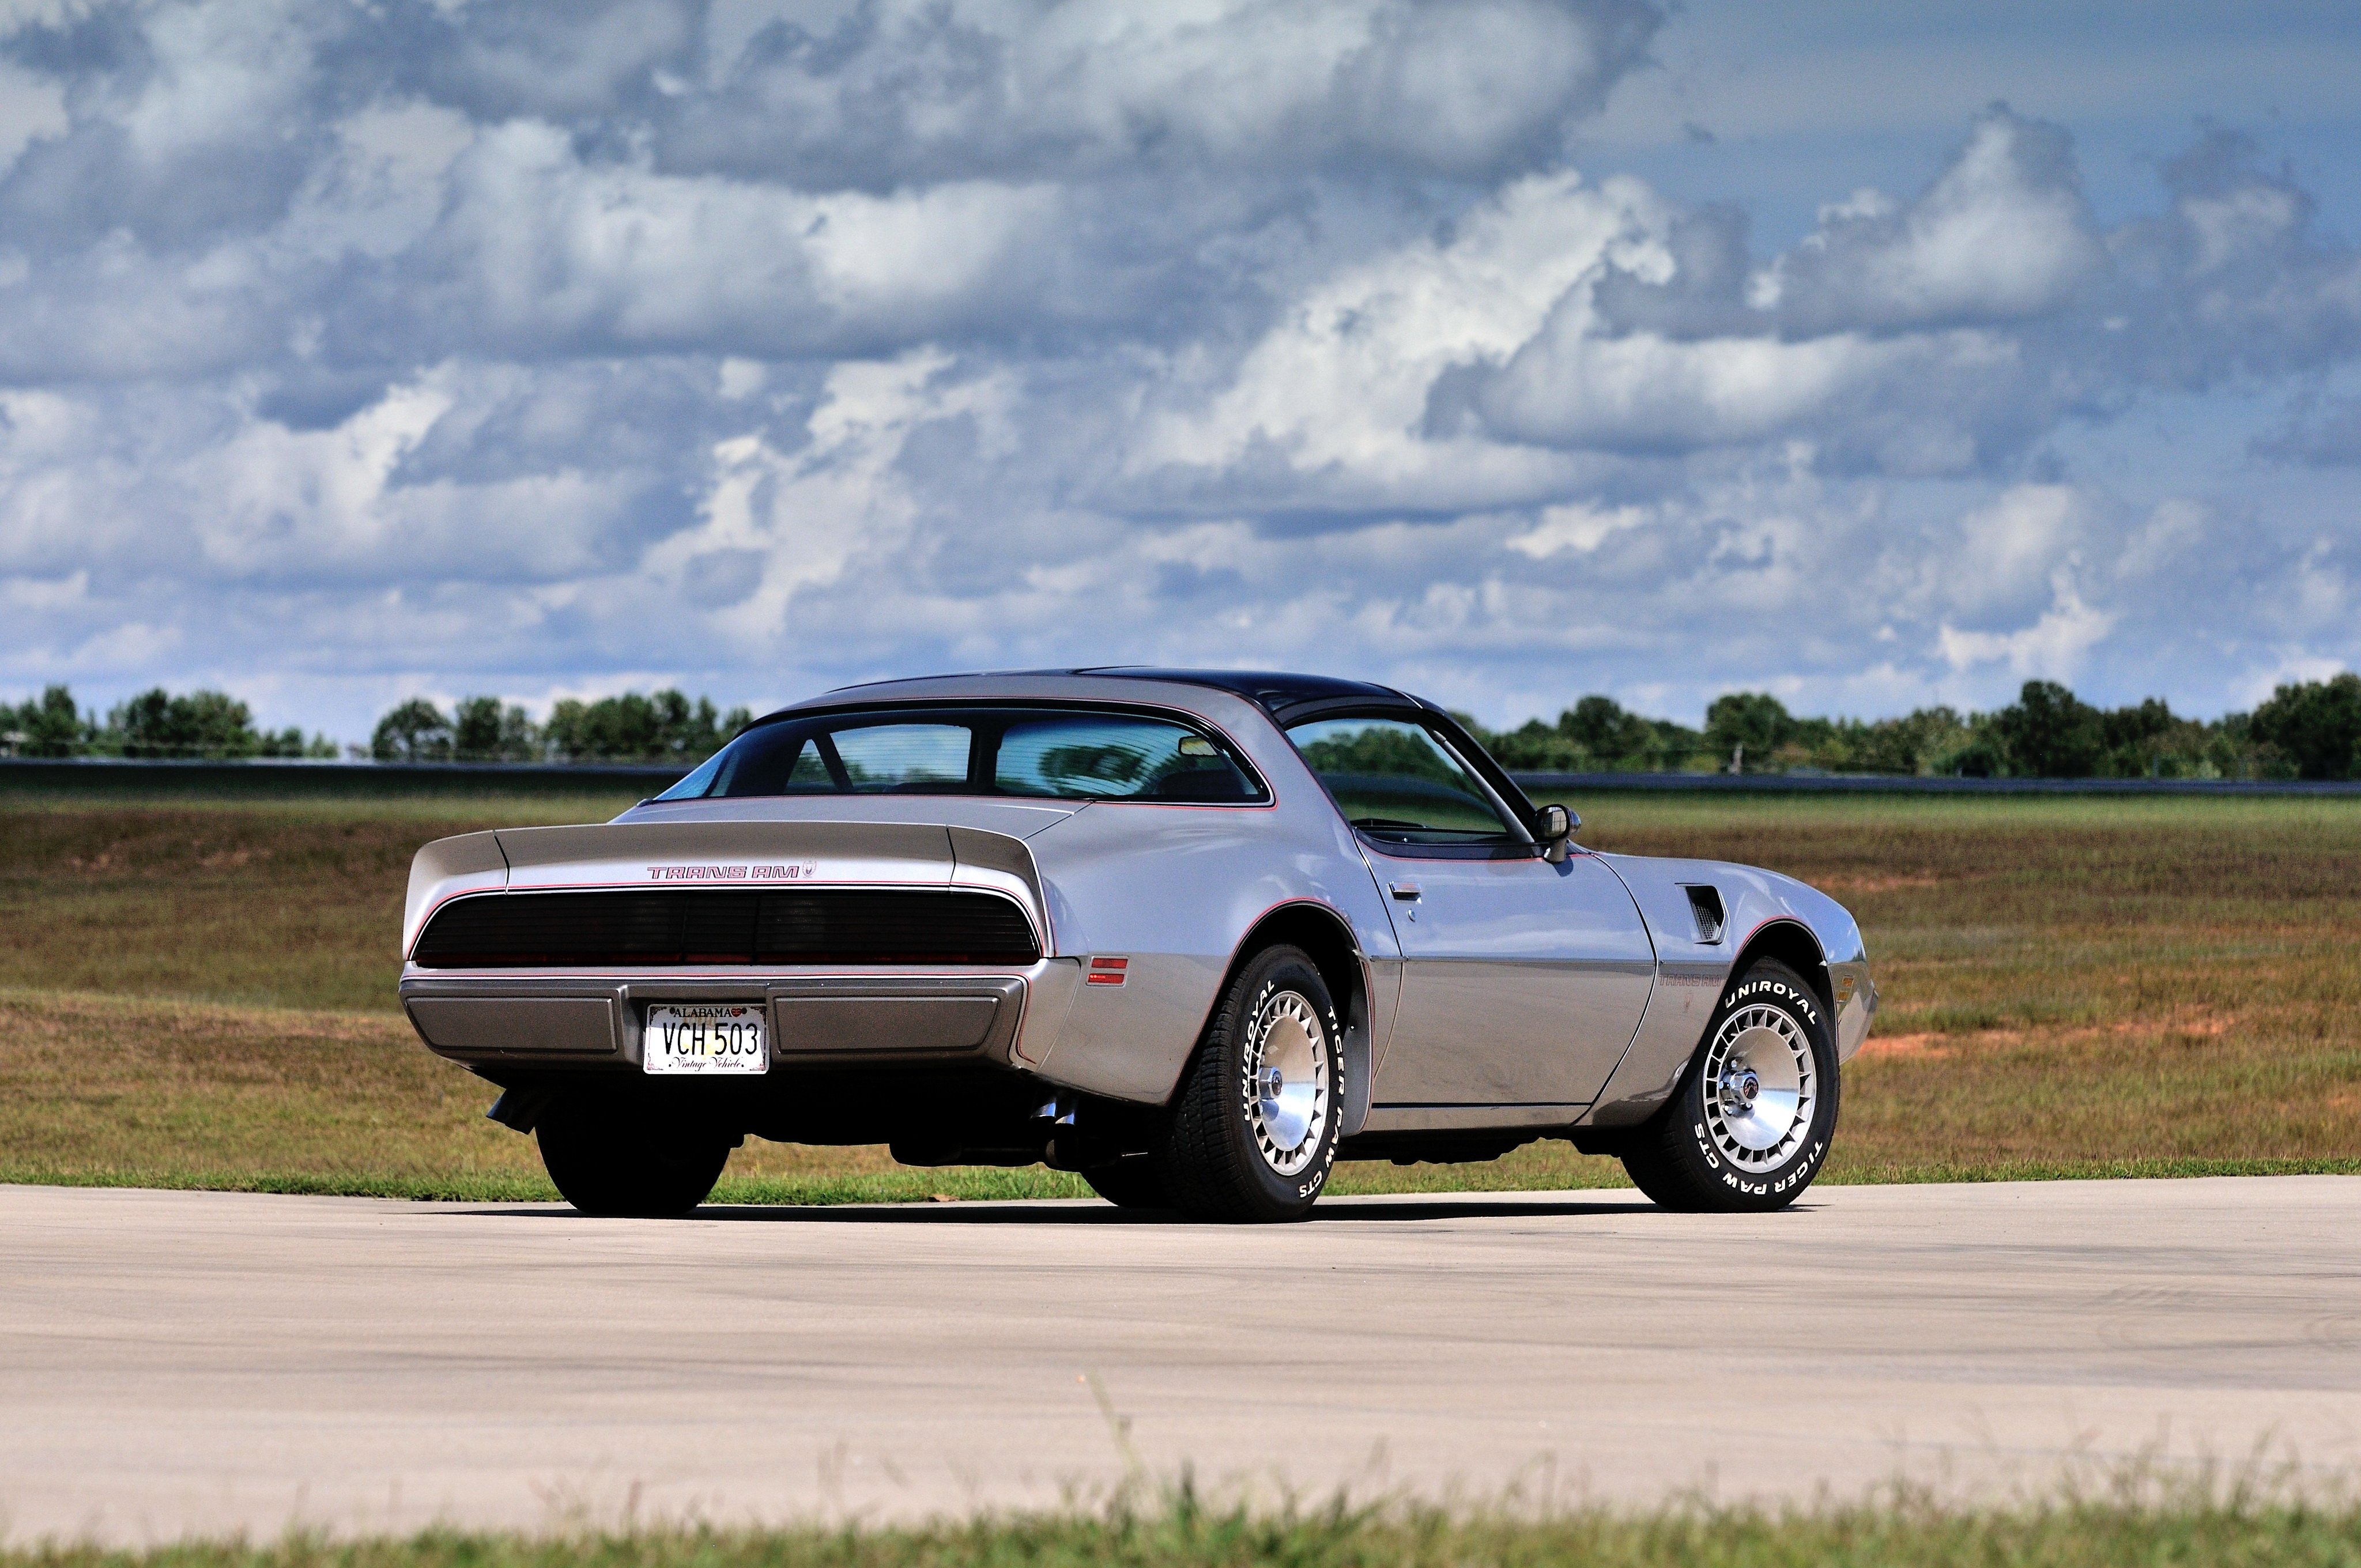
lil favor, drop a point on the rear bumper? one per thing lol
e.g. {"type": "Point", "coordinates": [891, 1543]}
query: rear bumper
{"type": "Point", "coordinates": [592, 1022]}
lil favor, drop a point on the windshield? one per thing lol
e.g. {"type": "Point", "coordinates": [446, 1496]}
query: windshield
{"type": "Point", "coordinates": [1396, 782]}
{"type": "Point", "coordinates": [1042, 753]}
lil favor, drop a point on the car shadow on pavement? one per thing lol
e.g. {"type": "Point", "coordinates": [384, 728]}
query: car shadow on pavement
{"type": "Point", "coordinates": [1083, 1212]}
{"type": "Point", "coordinates": [1088, 1214]}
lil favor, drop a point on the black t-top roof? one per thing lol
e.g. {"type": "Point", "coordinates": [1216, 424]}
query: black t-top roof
{"type": "Point", "coordinates": [1287, 699]}
{"type": "Point", "coordinates": [1276, 691]}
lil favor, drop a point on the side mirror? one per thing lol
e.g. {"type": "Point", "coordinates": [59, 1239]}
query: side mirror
{"type": "Point", "coordinates": [1555, 826]}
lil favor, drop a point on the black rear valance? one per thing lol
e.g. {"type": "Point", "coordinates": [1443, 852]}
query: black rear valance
{"type": "Point", "coordinates": [567, 930]}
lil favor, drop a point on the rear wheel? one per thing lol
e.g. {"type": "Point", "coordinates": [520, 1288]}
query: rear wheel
{"type": "Point", "coordinates": [1752, 1121]}
{"type": "Point", "coordinates": [1253, 1131]}
{"type": "Point", "coordinates": [610, 1162]}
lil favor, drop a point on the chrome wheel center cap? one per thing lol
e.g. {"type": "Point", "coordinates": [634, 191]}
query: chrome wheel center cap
{"type": "Point", "coordinates": [1759, 1086]}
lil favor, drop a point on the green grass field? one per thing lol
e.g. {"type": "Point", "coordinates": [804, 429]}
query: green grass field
{"type": "Point", "coordinates": [203, 994]}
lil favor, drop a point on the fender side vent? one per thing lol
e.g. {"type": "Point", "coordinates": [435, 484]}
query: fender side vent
{"type": "Point", "coordinates": [1705, 903]}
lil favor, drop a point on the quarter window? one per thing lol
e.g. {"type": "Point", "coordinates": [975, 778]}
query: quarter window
{"type": "Point", "coordinates": [1398, 784]}
{"type": "Point", "coordinates": [1113, 757]}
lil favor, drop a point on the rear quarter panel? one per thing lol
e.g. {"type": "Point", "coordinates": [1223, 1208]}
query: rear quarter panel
{"type": "Point", "coordinates": [1174, 891]}
{"type": "Point", "coordinates": [448, 869]}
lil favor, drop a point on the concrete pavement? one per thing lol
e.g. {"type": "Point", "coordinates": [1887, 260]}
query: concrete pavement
{"type": "Point", "coordinates": [202, 1362]}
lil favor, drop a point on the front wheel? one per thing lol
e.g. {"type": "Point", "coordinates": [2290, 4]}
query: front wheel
{"type": "Point", "coordinates": [1751, 1123]}
{"type": "Point", "coordinates": [1253, 1131]}
{"type": "Point", "coordinates": [608, 1162]}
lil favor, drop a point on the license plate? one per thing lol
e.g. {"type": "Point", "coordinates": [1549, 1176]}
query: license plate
{"type": "Point", "coordinates": [726, 1037]}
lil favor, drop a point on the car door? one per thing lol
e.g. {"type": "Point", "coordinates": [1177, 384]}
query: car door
{"type": "Point", "coordinates": [1522, 981]}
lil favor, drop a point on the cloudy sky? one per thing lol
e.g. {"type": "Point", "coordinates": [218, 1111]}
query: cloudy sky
{"type": "Point", "coordinates": [1873, 355]}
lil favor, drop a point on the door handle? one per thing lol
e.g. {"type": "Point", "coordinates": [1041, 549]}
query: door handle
{"type": "Point", "coordinates": [1404, 890]}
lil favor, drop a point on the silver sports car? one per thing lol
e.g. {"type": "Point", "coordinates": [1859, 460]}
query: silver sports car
{"type": "Point", "coordinates": [1196, 935]}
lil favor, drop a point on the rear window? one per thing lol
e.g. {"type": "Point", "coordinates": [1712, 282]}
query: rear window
{"type": "Point", "coordinates": [1038, 753]}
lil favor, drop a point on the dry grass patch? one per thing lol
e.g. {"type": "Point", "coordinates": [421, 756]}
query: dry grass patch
{"type": "Point", "coordinates": [2078, 981]}
{"type": "Point", "coordinates": [2077, 985]}
{"type": "Point", "coordinates": [281, 905]}
{"type": "Point", "coordinates": [134, 1091]}
{"type": "Point", "coordinates": [174, 1092]}
{"type": "Point", "coordinates": [2182, 1523]}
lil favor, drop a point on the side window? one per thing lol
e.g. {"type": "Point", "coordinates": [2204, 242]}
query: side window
{"type": "Point", "coordinates": [1398, 784]}
{"type": "Point", "coordinates": [1112, 757]}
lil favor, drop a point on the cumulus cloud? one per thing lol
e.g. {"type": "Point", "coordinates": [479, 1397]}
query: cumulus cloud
{"type": "Point", "coordinates": [348, 350]}
{"type": "Point", "coordinates": [2006, 550]}
{"type": "Point", "coordinates": [1912, 337]}
{"type": "Point", "coordinates": [896, 92]}
{"type": "Point", "coordinates": [2052, 648]}
{"type": "Point", "coordinates": [30, 108]}
{"type": "Point", "coordinates": [2235, 277]}
{"type": "Point", "coordinates": [2001, 234]}
{"type": "Point", "coordinates": [1568, 387]}
{"type": "Point", "coordinates": [540, 247]}
{"type": "Point", "coordinates": [1952, 333]}
{"type": "Point", "coordinates": [1574, 527]}
{"type": "Point", "coordinates": [182, 122]}
{"type": "Point", "coordinates": [1335, 391]}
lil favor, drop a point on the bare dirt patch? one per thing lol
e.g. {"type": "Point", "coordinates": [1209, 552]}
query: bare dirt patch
{"type": "Point", "coordinates": [1882, 1048]}
{"type": "Point", "coordinates": [1858, 884]}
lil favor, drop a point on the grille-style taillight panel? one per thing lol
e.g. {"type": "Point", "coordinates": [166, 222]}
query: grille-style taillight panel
{"type": "Point", "coordinates": [566, 930]}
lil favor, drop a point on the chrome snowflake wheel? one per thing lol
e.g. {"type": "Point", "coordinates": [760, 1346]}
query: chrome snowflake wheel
{"type": "Point", "coordinates": [1759, 1087]}
{"type": "Point", "coordinates": [1285, 1077]}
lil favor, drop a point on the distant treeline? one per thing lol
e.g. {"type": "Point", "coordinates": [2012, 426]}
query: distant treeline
{"type": "Point", "coordinates": [207, 724]}
{"type": "Point", "coordinates": [2309, 730]}
{"type": "Point", "coordinates": [663, 726]}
